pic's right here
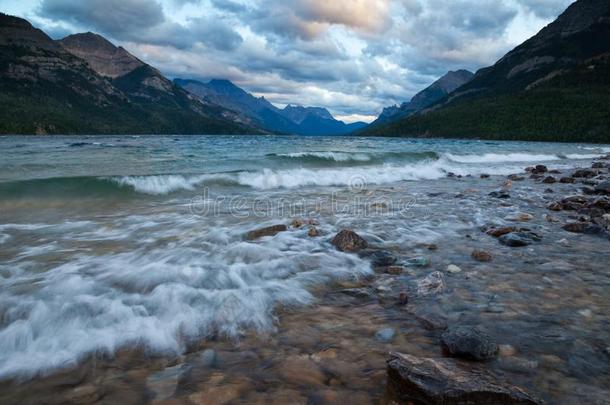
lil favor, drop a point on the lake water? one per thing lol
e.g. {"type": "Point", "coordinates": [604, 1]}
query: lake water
{"type": "Point", "coordinates": [114, 243]}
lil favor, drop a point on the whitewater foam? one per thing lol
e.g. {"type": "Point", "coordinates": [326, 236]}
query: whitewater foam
{"type": "Point", "coordinates": [501, 158]}
{"type": "Point", "coordinates": [424, 170]}
{"type": "Point", "coordinates": [160, 299]}
{"type": "Point", "coordinates": [165, 184]}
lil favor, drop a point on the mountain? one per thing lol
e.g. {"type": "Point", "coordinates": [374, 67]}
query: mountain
{"type": "Point", "coordinates": [555, 86]}
{"type": "Point", "coordinates": [292, 119]}
{"type": "Point", "coordinates": [425, 98]}
{"type": "Point", "coordinates": [84, 84]}
{"type": "Point", "coordinates": [228, 95]}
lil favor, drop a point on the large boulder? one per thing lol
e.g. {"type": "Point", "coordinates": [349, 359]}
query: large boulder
{"type": "Point", "coordinates": [447, 381]}
{"type": "Point", "coordinates": [349, 241]}
{"type": "Point", "coordinates": [469, 343]}
{"type": "Point", "coordinates": [269, 231]}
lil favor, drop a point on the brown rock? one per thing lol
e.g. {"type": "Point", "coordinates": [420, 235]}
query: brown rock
{"type": "Point", "coordinates": [448, 381]}
{"type": "Point", "coordinates": [297, 223]}
{"type": "Point", "coordinates": [269, 231]}
{"type": "Point", "coordinates": [395, 270]}
{"type": "Point", "coordinates": [313, 232]}
{"type": "Point", "coordinates": [497, 232]}
{"type": "Point", "coordinates": [567, 180]}
{"type": "Point", "coordinates": [349, 241]}
{"type": "Point", "coordinates": [481, 256]}
{"type": "Point", "coordinates": [300, 370]}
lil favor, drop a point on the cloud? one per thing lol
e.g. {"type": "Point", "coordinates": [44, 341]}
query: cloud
{"type": "Point", "coordinates": [352, 56]}
{"type": "Point", "coordinates": [110, 16]}
{"type": "Point", "coordinates": [545, 8]}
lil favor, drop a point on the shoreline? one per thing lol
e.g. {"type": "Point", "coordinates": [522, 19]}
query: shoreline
{"type": "Point", "coordinates": [326, 372]}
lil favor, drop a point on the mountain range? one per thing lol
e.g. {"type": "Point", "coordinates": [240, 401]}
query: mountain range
{"type": "Point", "coordinates": [84, 84]}
{"type": "Point", "coordinates": [292, 119]}
{"type": "Point", "coordinates": [555, 86]}
{"type": "Point", "coordinates": [425, 98]}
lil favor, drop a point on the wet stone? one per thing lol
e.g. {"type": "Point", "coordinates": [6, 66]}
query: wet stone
{"type": "Point", "coordinates": [163, 383]}
{"type": "Point", "coordinates": [349, 241]}
{"type": "Point", "coordinates": [385, 335]}
{"type": "Point", "coordinates": [269, 231]}
{"type": "Point", "coordinates": [448, 381]}
{"type": "Point", "coordinates": [470, 343]}
{"type": "Point", "coordinates": [481, 256]}
{"type": "Point", "coordinates": [519, 239]}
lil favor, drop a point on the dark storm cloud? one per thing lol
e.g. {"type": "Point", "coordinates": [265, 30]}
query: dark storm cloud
{"type": "Point", "coordinates": [141, 21]}
{"type": "Point", "coordinates": [353, 56]}
{"type": "Point", "coordinates": [115, 17]}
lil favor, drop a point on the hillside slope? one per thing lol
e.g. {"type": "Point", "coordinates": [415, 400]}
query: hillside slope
{"type": "Point", "coordinates": [46, 89]}
{"type": "Point", "coordinates": [555, 86]}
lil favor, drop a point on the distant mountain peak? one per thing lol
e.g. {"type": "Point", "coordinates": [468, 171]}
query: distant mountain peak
{"type": "Point", "coordinates": [101, 55]}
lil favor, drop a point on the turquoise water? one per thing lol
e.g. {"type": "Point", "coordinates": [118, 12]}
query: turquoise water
{"type": "Point", "coordinates": [114, 242]}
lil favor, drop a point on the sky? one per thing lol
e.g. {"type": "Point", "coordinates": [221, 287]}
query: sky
{"type": "Point", "coordinates": [353, 57]}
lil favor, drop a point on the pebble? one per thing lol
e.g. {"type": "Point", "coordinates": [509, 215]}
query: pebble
{"type": "Point", "coordinates": [481, 256]}
{"type": "Point", "coordinates": [385, 335]}
{"type": "Point", "coordinates": [507, 350]}
{"type": "Point", "coordinates": [521, 217]}
{"type": "Point", "coordinates": [453, 269]}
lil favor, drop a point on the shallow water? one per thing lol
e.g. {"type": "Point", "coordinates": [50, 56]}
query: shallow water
{"type": "Point", "coordinates": [122, 256]}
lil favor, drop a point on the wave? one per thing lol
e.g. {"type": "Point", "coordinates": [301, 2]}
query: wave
{"type": "Point", "coordinates": [380, 174]}
{"type": "Point", "coordinates": [333, 156]}
{"type": "Point", "coordinates": [162, 299]}
{"type": "Point", "coordinates": [108, 186]}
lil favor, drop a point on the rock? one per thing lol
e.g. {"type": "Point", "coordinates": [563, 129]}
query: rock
{"type": "Point", "coordinates": [395, 270]}
{"type": "Point", "coordinates": [481, 256]}
{"type": "Point", "coordinates": [587, 190]}
{"type": "Point", "coordinates": [433, 283]}
{"type": "Point", "coordinates": [313, 232]}
{"type": "Point", "coordinates": [448, 381]}
{"type": "Point", "coordinates": [269, 231]}
{"type": "Point", "coordinates": [567, 180]}
{"type": "Point", "coordinates": [431, 320]}
{"type": "Point", "coordinates": [582, 227]}
{"type": "Point", "coordinates": [500, 194]}
{"type": "Point", "coordinates": [385, 335]}
{"type": "Point", "coordinates": [297, 223]}
{"type": "Point", "coordinates": [585, 173]}
{"type": "Point", "coordinates": [420, 261]}
{"type": "Point", "coordinates": [603, 187]}
{"type": "Point", "coordinates": [403, 298]}
{"type": "Point", "coordinates": [515, 177]}
{"type": "Point", "coordinates": [519, 239]}
{"type": "Point", "coordinates": [597, 165]}
{"type": "Point", "coordinates": [469, 343]}
{"type": "Point", "coordinates": [522, 217]}
{"type": "Point", "coordinates": [208, 358]}
{"type": "Point", "coordinates": [349, 241]}
{"type": "Point", "coordinates": [484, 176]}
{"type": "Point", "coordinates": [497, 232]}
{"type": "Point", "coordinates": [554, 171]}
{"type": "Point", "coordinates": [549, 180]}
{"type": "Point", "coordinates": [549, 190]}
{"type": "Point", "coordinates": [431, 246]}
{"type": "Point", "coordinates": [555, 206]}
{"type": "Point", "coordinates": [453, 269]}
{"type": "Point", "coordinates": [380, 258]}
{"type": "Point", "coordinates": [540, 169]}
{"type": "Point", "coordinates": [163, 383]}
{"type": "Point", "coordinates": [550, 218]}
{"type": "Point", "coordinates": [300, 370]}
{"type": "Point", "coordinates": [506, 351]}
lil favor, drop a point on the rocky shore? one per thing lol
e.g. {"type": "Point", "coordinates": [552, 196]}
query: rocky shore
{"type": "Point", "coordinates": [489, 314]}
